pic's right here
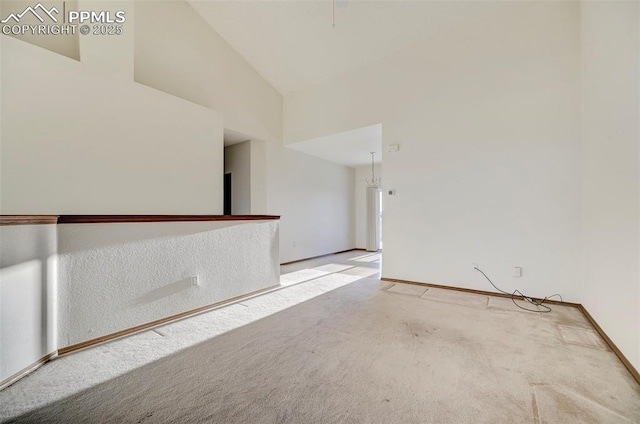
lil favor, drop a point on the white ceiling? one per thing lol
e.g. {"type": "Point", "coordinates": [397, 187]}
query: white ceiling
{"type": "Point", "coordinates": [233, 137]}
{"type": "Point", "coordinates": [292, 43]}
{"type": "Point", "coordinates": [350, 148]}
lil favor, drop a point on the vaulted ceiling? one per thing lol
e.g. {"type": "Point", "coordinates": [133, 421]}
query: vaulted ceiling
{"type": "Point", "coordinates": [351, 148]}
{"type": "Point", "coordinates": [293, 43]}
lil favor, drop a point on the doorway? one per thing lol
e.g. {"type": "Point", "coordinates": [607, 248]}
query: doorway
{"type": "Point", "coordinates": [374, 218]}
{"type": "Point", "coordinates": [227, 194]}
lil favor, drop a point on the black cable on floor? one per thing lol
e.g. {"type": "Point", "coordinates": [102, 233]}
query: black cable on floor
{"type": "Point", "coordinates": [538, 303]}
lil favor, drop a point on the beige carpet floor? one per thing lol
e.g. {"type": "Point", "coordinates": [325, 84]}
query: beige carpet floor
{"type": "Point", "coordinates": [363, 351]}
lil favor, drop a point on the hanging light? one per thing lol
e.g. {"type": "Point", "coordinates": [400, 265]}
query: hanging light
{"type": "Point", "coordinates": [338, 4]}
{"type": "Point", "coordinates": [334, 14]}
{"type": "Point", "coordinates": [373, 181]}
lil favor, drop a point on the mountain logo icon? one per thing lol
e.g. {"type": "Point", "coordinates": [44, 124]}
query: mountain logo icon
{"type": "Point", "coordinates": [34, 11]}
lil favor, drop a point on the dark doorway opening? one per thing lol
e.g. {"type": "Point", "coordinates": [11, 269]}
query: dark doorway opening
{"type": "Point", "coordinates": [227, 194]}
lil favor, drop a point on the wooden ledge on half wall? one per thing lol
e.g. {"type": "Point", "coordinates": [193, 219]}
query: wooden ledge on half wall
{"type": "Point", "coordinates": [28, 219]}
{"type": "Point", "coordinates": [93, 219]}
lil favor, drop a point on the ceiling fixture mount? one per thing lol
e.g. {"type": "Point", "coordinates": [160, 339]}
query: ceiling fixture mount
{"type": "Point", "coordinates": [373, 181]}
{"type": "Point", "coordinates": [338, 4]}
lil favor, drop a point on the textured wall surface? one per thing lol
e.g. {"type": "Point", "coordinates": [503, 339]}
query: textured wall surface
{"type": "Point", "coordinates": [27, 295]}
{"type": "Point", "coordinates": [117, 276]}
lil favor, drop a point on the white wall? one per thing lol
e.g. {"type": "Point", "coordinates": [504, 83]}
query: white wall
{"type": "Point", "coordinates": [114, 54]}
{"type": "Point", "coordinates": [176, 51]}
{"type": "Point", "coordinates": [27, 296]}
{"type": "Point", "coordinates": [116, 276]}
{"type": "Point", "coordinates": [362, 173]}
{"type": "Point", "coordinates": [258, 177]}
{"type": "Point", "coordinates": [76, 141]}
{"type": "Point", "coordinates": [315, 199]}
{"type": "Point", "coordinates": [237, 161]}
{"type": "Point", "coordinates": [64, 44]}
{"type": "Point", "coordinates": [62, 285]}
{"type": "Point", "coordinates": [487, 118]}
{"type": "Point", "coordinates": [611, 187]}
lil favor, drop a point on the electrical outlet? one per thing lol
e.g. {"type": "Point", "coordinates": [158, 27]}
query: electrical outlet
{"type": "Point", "coordinates": [517, 272]}
{"type": "Point", "coordinates": [475, 265]}
{"type": "Point", "coordinates": [195, 281]}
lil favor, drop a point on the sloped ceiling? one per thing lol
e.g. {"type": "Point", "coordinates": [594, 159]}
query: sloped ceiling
{"type": "Point", "coordinates": [293, 43]}
{"type": "Point", "coordinates": [351, 148]}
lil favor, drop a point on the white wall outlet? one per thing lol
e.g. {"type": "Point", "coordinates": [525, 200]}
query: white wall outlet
{"type": "Point", "coordinates": [394, 147]}
{"type": "Point", "coordinates": [475, 265]}
{"type": "Point", "coordinates": [517, 271]}
{"type": "Point", "coordinates": [195, 280]}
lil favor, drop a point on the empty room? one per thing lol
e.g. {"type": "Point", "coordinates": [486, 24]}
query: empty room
{"type": "Point", "coordinates": [319, 211]}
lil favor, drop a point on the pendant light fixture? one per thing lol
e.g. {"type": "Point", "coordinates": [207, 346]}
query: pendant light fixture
{"type": "Point", "coordinates": [373, 181]}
